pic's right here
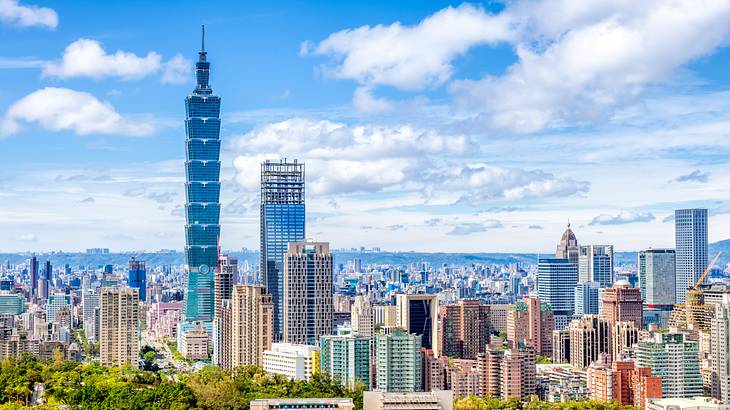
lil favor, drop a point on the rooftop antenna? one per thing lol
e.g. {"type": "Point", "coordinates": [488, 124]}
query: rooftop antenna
{"type": "Point", "coordinates": [202, 40]}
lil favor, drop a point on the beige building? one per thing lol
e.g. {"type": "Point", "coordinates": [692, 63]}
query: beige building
{"type": "Point", "coordinates": [361, 319]}
{"type": "Point", "coordinates": [118, 326]}
{"type": "Point", "coordinates": [302, 404]}
{"type": "Point", "coordinates": [498, 317]}
{"type": "Point", "coordinates": [252, 325]}
{"type": "Point", "coordinates": [308, 305]}
{"type": "Point", "coordinates": [194, 344]}
{"type": "Point", "coordinates": [589, 336]}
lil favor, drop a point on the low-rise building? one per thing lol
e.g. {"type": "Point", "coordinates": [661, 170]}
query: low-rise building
{"type": "Point", "coordinates": [302, 404]}
{"type": "Point", "coordinates": [195, 344]}
{"type": "Point", "coordinates": [434, 400]}
{"type": "Point", "coordinates": [291, 360]}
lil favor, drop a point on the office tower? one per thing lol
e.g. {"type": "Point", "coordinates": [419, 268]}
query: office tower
{"type": "Point", "coordinates": [720, 351]}
{"type": "Point", "coordinates": [361, 316]}
{"type": "Point", "coordinates": [517, 373]}
{"type": "Point", "coordinates": [33, 273]}
{"type": "Point", "coordinates": [398, 361]}
{"type": "Point", "coordinates": [49, 272]}
{"type": "Point", "coordinates": [657, 270]}
{"type": "Point", "coordinates": [531, 323]}
{"type": "Point", "coordinates": [118, 326]}
{"type": "Point", "coordinates": [224, 278]}
{"type": "Point", "coordinates": [586, 298]}
{"type": "Point", "coordinates": [561, 346]}
{"type": "Point", "coordinates": [676, 360]}
{"type": "Point", "coordinates": [282, 221]}
{"type": "Point", "coordinates": [568, 247]}
{"type": "Point", "coordinates": [623, 303]}
{"type": "Point", "coordinates": [308, 304]}
{"type": "Point", "coordinates": [202, 193]}
{"type": "Point", "coordinates": [346, 358]}
{"type": "Point", "coordinates": [89, 307]}
{"type": "Point", "coordinates": [137, 277]}
{"type": "Point", "coordinates": [464, 329]}
{"type": "Point", "coordinates": [690, 230]}
{"type": "Point", "coordinates": [252, 325]}
{"type": "Point", "coordinates": [589, 337]}
{"type": "Point", "coordinates": [418, 314]}
{"type": "Point", "coordinates": [294, 361]}
{"type": "Point", "coordinates": [624, 335]}
{"type": "Point", "coordinates": [42, 289]}
{"type": "Point", "coordinates": [357, 265]}
{"type": "Point", "coordinates": [11, 303]}
{"type": "Point", "coordinates": [56, 302]}
{"type": "Point", "coordinates": [556, 281]}
{"type": "Point", "coordinates": [595, 264]}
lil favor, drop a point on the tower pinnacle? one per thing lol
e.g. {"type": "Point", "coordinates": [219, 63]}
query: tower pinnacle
{"type": "Point", "coordinates": [202, 40]}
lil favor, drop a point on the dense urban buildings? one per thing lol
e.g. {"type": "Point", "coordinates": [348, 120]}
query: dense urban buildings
{"type": "Point", "coordinates": [595, 264]}
{"type": "Point", "coordinates": [346, 358]}
{"type": "Point", "coordinates": [202, 193]}
{"type": "Point", "coordinates": [531, 322]}
{"type": "Point", "coordinates": [690, 229]}
{"type": "Point", "coordinates": [282, 222]}
{"type": "Point", "coordinates": [398, 361]}
{"type": "Point", "coordinates": [464, 329]}
{"type": "Point", "coordinates": [676, 360]}
{"type": "Point", "coordinates": [308, 303]}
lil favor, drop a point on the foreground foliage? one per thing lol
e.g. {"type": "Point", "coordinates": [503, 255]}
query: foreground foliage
{"type": "Point", "coordinates": [74, 385]}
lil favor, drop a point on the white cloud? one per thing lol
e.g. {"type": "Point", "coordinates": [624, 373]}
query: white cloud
{"type": "Point", "coordinates": [28, 237]}
{"type": "Point", "coordinates": [365, 101]}
{"type": "Point", "coordinates": [577, 62]}
{"type": "Point", "coordinates": [468, 228]}
{"type": "Point", "coordinates": [63, 109]}
{"type": "Point", "coordinates": [87, 58]}
{"type": "Point", "coordinates": [623, 217]}
{"type": "Point", "coordinates": [12, 12]}
{"type": "Point", "coordinates": [407, 57]}
{"type": "Point", "coordinates": [694, 176]}
{"type": "Point", "coordinates": [342, 159]}
{"type": "Point", "coordinates": [178, 70]}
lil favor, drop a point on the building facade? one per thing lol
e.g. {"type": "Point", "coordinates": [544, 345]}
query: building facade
{"type": "Point", "coordinates": [676, 360]}
{"type": "Point", "coordinates": [595, 264]}
{"type": "Point", "coordinates": [657, 282]}
{"type": "Point", "coordinates": [361, 317]}
{"type": "Point", "coordinates": [202, 193]}
{"type": "Point", "coordinates": [282, 221]}
{"type": "Point", "coordinates": [464, 329]}
{"type": "Point", "coordinates": [622, 303]}
{"type": "Point", "coordinates": [297, 362]}
{"type": "Point", "coordinates": [137, 277]}
{"type": "Point", "coordinates": [418, 314]}
{"type": "Point", "coordinates": [590, 336]}
{"type": "Point", "coordinates": [118, 326]}
{"type": "Point", "coordinates": [568, 246]}
{"type": "Point", "coordinates": [586, 298]}
{"type": "Point", "coordinates": [690, 230]}
{"type": "Point", "coordinates": [308, 302]}
{"type": "Point", "coordinates": [346, 358]}
{"type": "Point", "coordinates": [556, 282]}
{"type": "Point", "coordinates": [398, 361]}
{"type": "Point", "coordinates": [251, 325]}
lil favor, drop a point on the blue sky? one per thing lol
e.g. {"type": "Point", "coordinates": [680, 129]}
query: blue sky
{"type": "Point", "coordinates": [424, 125]}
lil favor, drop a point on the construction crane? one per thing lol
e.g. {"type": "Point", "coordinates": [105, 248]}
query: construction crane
{"type": "Point", "coordinates": [704, 274]}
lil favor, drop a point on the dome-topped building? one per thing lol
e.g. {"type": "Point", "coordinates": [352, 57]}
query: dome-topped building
{"type": "Point", "coordinates": [568, 246]}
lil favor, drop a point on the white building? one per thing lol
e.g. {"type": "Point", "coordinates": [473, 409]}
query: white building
{"type": "Point", "coordinates": [291, 360]}
{"type": "Point", "coordinates": [434, 400]}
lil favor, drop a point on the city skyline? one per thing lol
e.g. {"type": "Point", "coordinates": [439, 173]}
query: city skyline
{"type": "Point", "coordinates": [398, 156]}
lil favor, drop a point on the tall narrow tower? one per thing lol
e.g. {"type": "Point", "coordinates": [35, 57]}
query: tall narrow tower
{"type": "Point", "coordinates": [202, 192]}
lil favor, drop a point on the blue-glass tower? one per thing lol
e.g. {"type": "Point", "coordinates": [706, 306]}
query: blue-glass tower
{"type": "Point", "coordinates": [282, 221]}
{"type": "Point", "coordinates": [202, 193]}
{"type": "Point", "coordinates": [138, 277]}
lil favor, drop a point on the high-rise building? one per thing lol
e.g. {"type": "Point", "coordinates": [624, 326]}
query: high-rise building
{"type": "Point", "coordinates": [252, 325]}
{"type": "Point", "coordinates": [398, 361]}
{"type": "Point", "coordinates": [33, 274]}
{"type": "Point", "coordinates": [568, 247]}
{"type": "Point", "coordinates": [657, 282]}
{"type": "Point", "coordinates": [561, 346]}
{"type": "Point", "coordinates": [586, 298]}
{"type": "Point", "coordinates": [308, 304]}
{"type": "Point", "coordinates": [690, 230]}
{"type": "Point", "coordinates": [595, 264]}
{"type": "Point", "coordinates": [118, 326]}
{"type": "Point", "coordinates": [418, 314]}
{"type": "Point", "coordinates": [676, 360]}
{"type": "Point", "coordinates": [282, 222]}
{"type": "Point", "coordinates": [11, 303]}
{"type": "Point", "coordinates": [90, 309]}
{"type": "Point", "coordinates": [531, 322]}
{"type": "Point", "coordinates": [361, 316]}
{"type": "Point", "coordinates": [624, 335]}
{"type": "Point", "coordinates": [202, 192]}
{"type": "Point", "coordinates": [720, 351]}
{"type": "Point", "coordinates": [346, 358]}
{"type": "Point", "coordinates": [224, 279]}
{"type": "Point", "coordinates": [464, 329]}
{"type": "Point", "coordinates": [589, 337]}
{"type": "Point", "coordinates": [556, 281]}
{"type": "Point", "coordinates": [138, 277]}
{"type": "Point", "coordinates": [56, 302]}
{"type": "Point", "coordinates": [517, 373]}
{"type": "Point", "coordinates": [622, 303]}
{"type": "Point", "coordinates": [48, 272]}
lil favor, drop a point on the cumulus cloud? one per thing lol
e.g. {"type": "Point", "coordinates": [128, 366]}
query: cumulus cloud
{"type": "Point", "coordinates": [694, 176]}
{"type": "Point", "coordinates": [343, 159]}
{"type": "Point", "coordinates": [28, 237]}
{"type": "Point", "coordinates": [622, 218]}
{"type": "Point", "coordinates": [576, 62]}
{"type": "Point", "coordinates": [12, 12]}
{"type": "Point", "coordinates": [468, 228]}
{"type": "Point", "coordinates": [63, 109]}
{"type": "Point", "coordinates": [87, 58]}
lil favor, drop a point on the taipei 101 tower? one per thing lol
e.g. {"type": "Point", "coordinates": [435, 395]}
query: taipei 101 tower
{"type": "Point", "coordinates": [202, 193]}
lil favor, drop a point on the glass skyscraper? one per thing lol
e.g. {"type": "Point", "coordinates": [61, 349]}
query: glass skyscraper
{"type": "Point", "coordinates": [556, 282]}
{"type": "Point", "coordinates": [202, 193]}
{"type": "Point", "coordinates": [282, 221]}
{"type": "Point", "coordinates": [690, 230]}
{"type": "Point", "coordinates": [138, 277]}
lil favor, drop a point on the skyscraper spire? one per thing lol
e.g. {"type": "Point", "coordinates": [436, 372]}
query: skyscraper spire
{"type": "Point", "coordinates": [202, 40]}
{"type": "Point", "coordinates": [202, 67]}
